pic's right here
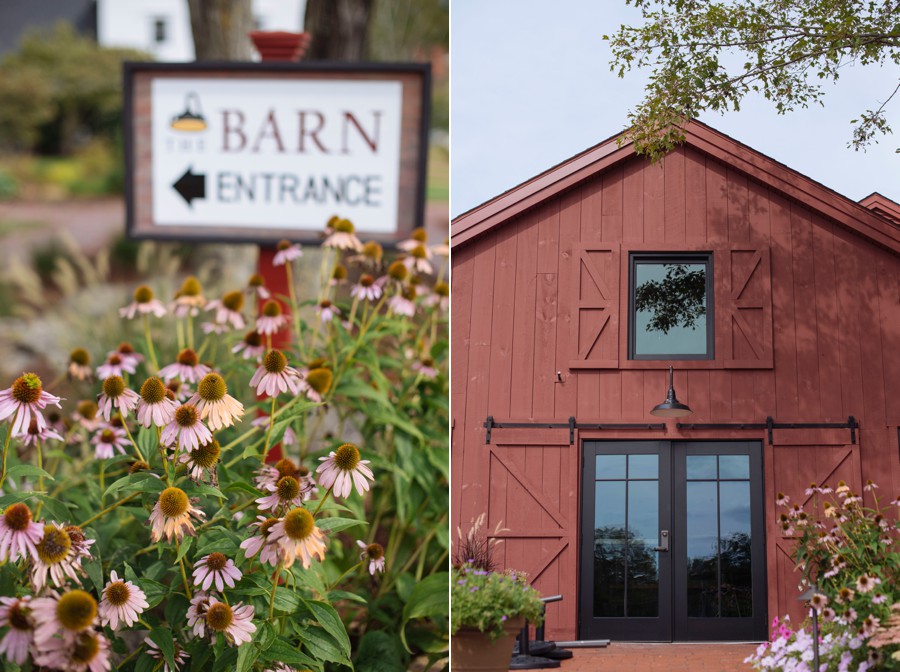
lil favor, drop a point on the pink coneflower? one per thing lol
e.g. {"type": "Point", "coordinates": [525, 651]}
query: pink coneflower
{"type": "Point", "coordinates": [212, 399]}
{"type": "Point", "coordinates": [400, 304]}
{"type": "Point", "coordinates": [272, 318]}
{"type": "Point", "coordinates": [155, 407]}
{"type": "Point", "coordinates": [818, 601]}
{"type": "Point", "coordinates": [281, 667]}
{"type": "Point", "coordinates": [298, 536]}
{"type": "Point", "coordinates": [397, 272]}
{"type": "Point", "coordinates": [374, 553]}
{"type": "Point", "coordinates": [370, 256]}
{"type": "Point", "coordinates": [215, 568]}
{"type": "Point", "coordinates": [418, 259]}
{"type": "Point", "coordinates": [86, 415]}
{"type": "Point", "coordinates": [179, 390]}
{"type": "Point", "coordinates": [285, 494]}
{"type": "Point", "coordinates": [782, 499]}
{"type": "Point", "coordinates": [121, 601]}
{"type": "Point", "coordinates": [317, 382]}
{"type": "Point", "coordinates": [186, 367]}
{"type": "Point", "coordinates": [214, 328]}
{"type": "Point", "coordinates": [367, 288]}
{"type": "Point", "coordinates": [107, 441]}
{"type": "Point", "coordinates": [269, 475]}
{"type": "Point", "coordinates": [186, 429]}
{"type": "Point", "coordinates": [343, 469]}
{"type": "Point", "coordinates": [828, 614]}
{"type": "Point", "coordinates": [171, 515]}
{"type": "Point", "coordinates": [86, 651]}
{"type": "Point", "coordinates": [270, 551]}
{"type": "Point", "coordinates": [439, 296]}
{"type": "Point", "coordinates": [189, 298]}
{"type": "Point", "coordinates": [25, 399]}
{"type": "Point", "coordinates": [342, 235]}
{"type": "Point", "coordinates": [19, 534]}
{"type": "Point", "coordinates": [236, 623]}
{"type": "Point", "coordinates": [67, 614]}
{"type": "Point", "coordinates": [286, 251]}
{"type": "Point", "coordinates": [180, 658]}
{"type": "Point", "coordinates": [202, 459]}
{"type": "Point", "coordinates": [115, 365]}
{"type": "Point", "coordinates": [59, 555]}
{"type": "Point", "coordinates": [425, 368]}
{"type": "Point", "coordinates": [196, 613]}
{"type": "Point", "coordinates": [143, 304]}
{"type": "Point", "coordinates": [274, 376]}
{"type": "Point", "coordinates": [79, 365]}
{"type": "Point", "coordinates": [866, 583]}
{"type": "Point", "coordinates": [228, 309]}
{"type": "Point", "coordinates": [327, 310]}
{"type": "Point", "coordinates": [35, 434]}
{"type": "Point", "coordinates": [256, 286]}
{"type": "Point", "coordinates": [128, 355]}
{"type": "Point", "coordinates": [116, 395]}
{"type": "Point", "coordinates": [289, 438]}
{"type": "Point", "coordinates": [252, 347]}
{"type": "Point", "coordinates": [15, 615]}
{"type": "Point", "coordinates": [418, 237]}
{"type": "Point", "coordinates": [338, 276]}
{"type": "Point", "coordinates": [870, 486]}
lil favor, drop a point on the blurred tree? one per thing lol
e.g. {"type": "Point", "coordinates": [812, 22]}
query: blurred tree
{"type": "Point", "coordinates": [59, 90]}
{"type": "Point", "coordinates": [403, 30]}
{"type": "Point", "coordinates": [339, 29]}
{"type": "Point", "coordinates": [220, 29]}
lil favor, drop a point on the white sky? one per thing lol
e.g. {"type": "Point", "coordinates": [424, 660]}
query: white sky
{"type": "Point", "coordinates": [531, 87]}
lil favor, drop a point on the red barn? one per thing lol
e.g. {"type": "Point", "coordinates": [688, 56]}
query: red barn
{"type": "Point", "coordinates": [777, 302]}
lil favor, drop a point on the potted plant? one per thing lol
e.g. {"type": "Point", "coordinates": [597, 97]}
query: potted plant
{"type": "Point", "coordinates": [489, 609]}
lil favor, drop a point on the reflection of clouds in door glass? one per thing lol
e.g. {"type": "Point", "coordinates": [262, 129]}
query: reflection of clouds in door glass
{"type": "Point", "coordinates": [643, 510]}
{"type": "Point", "coordinates": [702, 523]}
{"type": "Point", "coordinates": [609, 510]}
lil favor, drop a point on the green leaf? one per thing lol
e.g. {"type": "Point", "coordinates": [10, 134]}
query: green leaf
{"type": "Point", "coordinates": [378, 652]}
{"type": "Point", "coordinates": [335, 595]}
{"type": "Point", "coordinates": [329, 619]}
{"type": "Point", "coordinates": [338, 524]}
{"type": "Point", "coordinates": [142, 481]}
{"type": "Point", "coordinates": [282, 651]}
{"type": "Point", "coordinates": [184, 547]}
{"type": "Point", "coordinates": [28, 471]}
{"type": "Point", "coordinates": [162, 637]}
{"type": "Point", "coordinates": [286, 600]}
{"type": "Point", "coordinates": [430, 598]}
{"type": "Point", "coordinates": [57, 510]}
{"type": "Point", "coordinates": [247, 655]}
{"type": "Point", "coordinates": [242, 486]}
{"type": "Point", "coordinates": [322, 646]}
{"type": "Point", "coordinates": [204, 489]}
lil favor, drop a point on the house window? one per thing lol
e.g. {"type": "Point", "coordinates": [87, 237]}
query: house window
{"type": "Point", "coordinates": [160, 30]}
{"type": "Point", "coordinates": [671, 306]}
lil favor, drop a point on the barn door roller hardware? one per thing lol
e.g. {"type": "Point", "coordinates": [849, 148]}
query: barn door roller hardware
{"type": "Point", "coordinates": [571, 425]}
{"type": "Point", "coordinates": [770, 425]}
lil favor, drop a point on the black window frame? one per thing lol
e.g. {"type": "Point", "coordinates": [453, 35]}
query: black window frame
{"type": "Point", "coordinates": [160, 29]}
{"type": "Point", "coordinates": [705, 258]}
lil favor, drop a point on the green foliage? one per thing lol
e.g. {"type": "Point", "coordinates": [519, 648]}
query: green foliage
{"type": "Point", "coordinates": [58, 87]}
{"type": "Point", "coordinates": [486, 600]}
{"type": "Point", "coordinates": [710, 55]}
{"type": "Point", "coordinates": [679, 300]}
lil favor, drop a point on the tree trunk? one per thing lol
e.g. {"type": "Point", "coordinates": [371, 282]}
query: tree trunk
{"type": "Point", "coordinates": [339, 29]}
{"type": "Point", "coordinates": [220, 29]}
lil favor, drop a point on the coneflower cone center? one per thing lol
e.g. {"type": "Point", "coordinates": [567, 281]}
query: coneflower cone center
{"type": "Point", "coordinates": [117, 593]}
{"type": "Point", "coordinates": [79, 356]}
{"type": "Point", "coordinates": [409, 293]}
{"type": "Point", "coordinates": [87, 409]}
{"type": "Point", "coordinates": [302, 471]}
{"type": "Point", "coordinates": [219, 617]}
{"type": "Point", "coordinates": [216, 561]}
{"type": "Point", "coordinates": [115, 360]}
{"type": "Point", "coordinates": [398, 271]}
{"type": "Point", "coordinates": [143, 294]}
{"type": "Point", "coordinates": [256, 280]}
{"type": "Point", "coordinates": [298, 524]}
{"type": "Point", "coordinates": [283, 245]}
{"type": "Point", "coordinates": [275, 361]}
{"type": "Point", "coordinates": [442, 289]}
{"type": "Point", "coordinates": [138, 466]}
{"type": "Point", "coordinates": [267, 524]}
{"type": "Point", "coordinates": [419, 234]}
{"type": "Point", "coordinates": [173, 502]}
{"type": "Point", "coordinates": [253, 339]}
{"type": "Point", "coordinates": [419, 252]}
{"type": "Point", "coordinates": [366, 280]}
{"type": "Point", "coordinates": [188, 357]}
{"type": "Point", "coordinates": [428, 361]}
{"type": "Point", "coordinates": [344, 226]}
{"type": "Point", "coordinates": [373, 250]}
{"type": "Point", "coordinates": [233, 301]}
{"type": "Point", "coordinates": [286, 467]}
{"type": "Point", "coordinates": [191, 286]}
{"type": "Point", "coordinates": [113, 386]}
{"type": "Point", "coordinates": [17, 516]}
{"type": "Point", "coordinates": [27, 389]}
{"type": "Point", "coordinates": [319, 380]}
{"type": "Point", "coordinates": [186, 415]}
{"type": "Point", "coordinates": [325, 303]}
{"type": "Point", "coordinates": [340, 272]}
{"type": "Point", "coordinates": [107, 436]}
{"type": "Point", "coordinates": [288, 488]}
{"type": "Point", "coordinates": [76, 610]}
{"type": "Point", "coordinates": [212, 387]}
{"type": "Point", "coordinates": [125, 348]}
{"type": "Point", "coordinates": [86, 648]}
{"type": "Point", "coordinates": [207, 455]}
{"type": "Point", "coordinates": [374, 551]}
{"type": "Point", "coordinates": [153, 390]}
{"type": "Point", "coordinates": [17, 618]}
{"type": "Point", "coordinates": [54, 546]}
{"type": "Point", "coordinates": [346, 457]}
{"type": "Point", "coordinates": [271, 308]}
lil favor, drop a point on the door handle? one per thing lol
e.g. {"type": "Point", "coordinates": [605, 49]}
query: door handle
{"type": "Point", "coordinates": [663, 542]}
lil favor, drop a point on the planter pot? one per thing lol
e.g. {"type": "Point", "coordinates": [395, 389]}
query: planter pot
{"type": "Point", "coordinates": [280, 46]}
{"type": "Point", "coordinates": [471, 650]}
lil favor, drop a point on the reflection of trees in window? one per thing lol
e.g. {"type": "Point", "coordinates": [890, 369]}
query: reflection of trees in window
{"type": "Point", "coordinates": [678, 300]}
{"type": "Point", "coordinates": [619, 554]}
{"type": "Point", "coordinates": [705, 580]}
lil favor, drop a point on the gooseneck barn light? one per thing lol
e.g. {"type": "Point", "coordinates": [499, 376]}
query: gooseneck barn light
{"type": "Point", "coordinates": [671, 407]}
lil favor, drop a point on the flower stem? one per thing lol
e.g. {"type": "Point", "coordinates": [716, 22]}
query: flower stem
{"type": "Point", "coordinates": [109, 508]}
{"type": "Point", "coordinates": [40, 456]}
{"type": "Point", "coordinates": [149, 338]}
{"type": "Point", "coordinates": [5, 452]}
{"type": "Point", "coordinates": [130, 437]}
{"type": "Point", "coordinates": [295, 309]}
{"type": "Point", "coordinates": [322, 501]}
{"type": "Point", "coordinates": [187, 587]}
{"type": "Point", "coordinates": [341, 577]}
{"type": "Point", "coordinates": [269, 431]}
{"type": "Point", "coordinates": [272, 596]}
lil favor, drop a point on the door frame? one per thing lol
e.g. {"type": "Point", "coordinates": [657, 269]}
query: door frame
{"type": "Point", "coordinates": [680, 627]}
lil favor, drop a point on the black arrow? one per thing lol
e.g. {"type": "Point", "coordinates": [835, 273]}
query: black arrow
{"type": "Point", "coordinates": [191, 186]}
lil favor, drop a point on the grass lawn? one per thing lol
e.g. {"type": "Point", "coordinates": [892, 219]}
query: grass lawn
{"type": "Point", "coordinates": [438, 190]}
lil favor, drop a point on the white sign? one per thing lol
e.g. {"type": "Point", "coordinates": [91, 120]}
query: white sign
{"type": "Point", "coordinates": [275, 153]}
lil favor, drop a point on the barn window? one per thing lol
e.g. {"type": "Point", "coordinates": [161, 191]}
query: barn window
{"type": "Point", "coordinates": [671, 311]}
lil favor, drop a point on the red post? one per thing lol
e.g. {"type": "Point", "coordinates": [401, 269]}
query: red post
{"type": "Point", "coordinates": [277, 46]}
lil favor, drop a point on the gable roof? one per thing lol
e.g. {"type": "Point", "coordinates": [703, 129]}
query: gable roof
{"type": "Point", "coordinates": [869, 222]}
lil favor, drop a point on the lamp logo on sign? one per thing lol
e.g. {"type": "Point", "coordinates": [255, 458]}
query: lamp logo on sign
{"type": "Point", "coordinates": [275, 153]}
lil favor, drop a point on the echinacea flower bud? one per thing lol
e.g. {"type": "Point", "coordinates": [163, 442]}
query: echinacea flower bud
{"type": "Point", "coordinates": [398, 271]}
{"type": "Point", "coordinates": [319, 380]}
{"type": "Point", "coordinates": [80, 356]}
{"type": "Point", "coordinates": [339, 273]}
{"type": "Point", "coordinates": [419, 234]}
{"type": "Point", "coordinates": [373, 250]}
{"type": "Point", "coordinates": [191, 286]}
{"type": "Point", "coordinates": [143, 294]}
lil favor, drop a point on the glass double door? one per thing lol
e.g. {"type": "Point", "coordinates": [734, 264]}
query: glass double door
{"type": "Point", "coordinates": [673, 544]}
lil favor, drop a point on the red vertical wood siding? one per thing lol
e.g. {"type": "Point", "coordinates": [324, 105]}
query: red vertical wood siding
{"type": "Point", "coordinates": [834, 332]}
